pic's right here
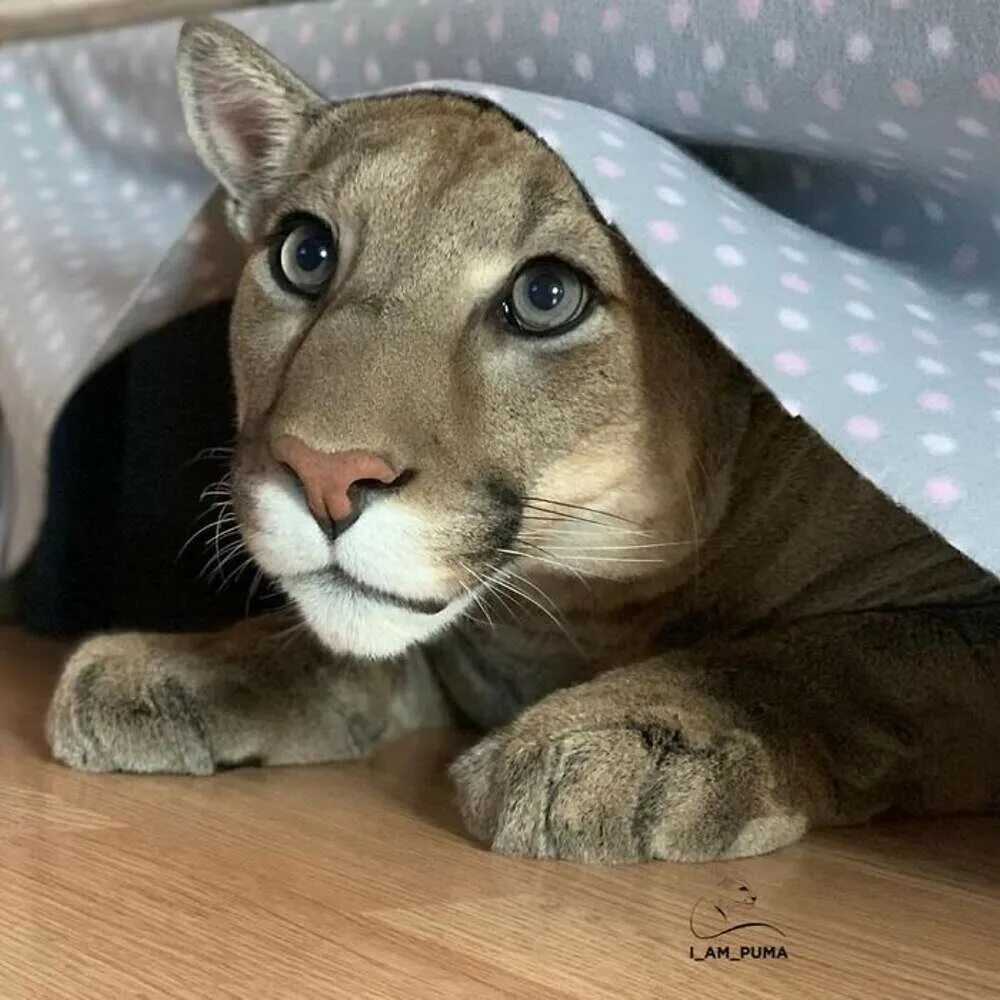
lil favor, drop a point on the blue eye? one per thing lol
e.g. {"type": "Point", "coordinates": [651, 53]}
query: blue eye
{"type": "Point", "coordinates": [547, 297]}
{"type": "Point", "coordinates": [307, 257]}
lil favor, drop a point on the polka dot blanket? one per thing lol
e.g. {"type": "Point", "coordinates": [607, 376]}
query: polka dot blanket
{"type": "Point", "coordinates": [817, 180]}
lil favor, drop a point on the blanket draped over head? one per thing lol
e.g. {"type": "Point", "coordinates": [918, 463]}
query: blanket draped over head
{"type": "Point", "coordinates": [818, 182]}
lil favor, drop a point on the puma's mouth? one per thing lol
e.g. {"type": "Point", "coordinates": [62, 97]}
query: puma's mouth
{"type": "Point", "coordinates": [420, 607]}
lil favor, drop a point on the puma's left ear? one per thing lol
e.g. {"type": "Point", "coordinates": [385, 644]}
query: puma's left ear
{"type": "Point", "coordinates": [244, 110]}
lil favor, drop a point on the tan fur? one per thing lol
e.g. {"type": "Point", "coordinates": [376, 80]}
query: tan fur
{"type": "Point", "coordinates": [702, 632]}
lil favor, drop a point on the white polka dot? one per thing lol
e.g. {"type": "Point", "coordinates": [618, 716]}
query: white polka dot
{"type": "Point", "coordinates": [671, 171]}
{"type": "Point", "coordinates": [606, 208]}
{"type": "Point", "coordinates": [859, 47]}
{"type": "Point", "coordinates": [854, 259]}
{"type": "Point", "coordinates": [13, 101]}
{"type": "Point", "coordinates": [892, 130]}
{"type": "Point", "coordinates": [815, 131]}
{"type": "Point", "coordinates": [583, 66]}
{"type": "Point", "coordinates": [550, 137]}
{"type": "Point", "coordinates": [372, 71]}
{"type": "Point", "coordinates": [973, 127]}
{"type": "Point", "coordinates": [527, 68]}
{"type": "Point", "coordinates": [859, 310]}
{"type": "Point", "coordinates": [961, 154]}
{"type": "Point", "coordinates": [729, 256]}
{"type": "Point", "coordinates": [792, 319]}
{"type": "Point", "coordinates": [713, 57]}
{"type": "Point", "coordinates": [793, 254]}
{"type": "Point", "coordinates": [940, 41]}
{"type": "Point", "coordinates": [987, 330]}
{"type": "Point", "coordinates": [939, 444]}
{"type": "Point", "coordinates": [915, 309]}
{"type": "Point", "coordinates": [670, 196]}
{"type": "Point", "coordinates": [933, 210]}
{"type": "Point", "coordinates": [611, 139]}
{"type": "Point", "coordinates": [925, 336]}
{"type": "Point", "coordinates": [863, 382]}
{"type": "Point", "coordinates": [644, 60]}
{"type": "Point", "coordinates": [976, 299]}
{"type": "Point", "coordinates": [931, 366]}
{"type": "Point", "coordinates": [784, 52]}
{"type": "Point", "coordinates": [856, 281]}
{"type": "Point", "coordinates": [732, 225]}
{"type": "Point", "coordinates": [990, 357]}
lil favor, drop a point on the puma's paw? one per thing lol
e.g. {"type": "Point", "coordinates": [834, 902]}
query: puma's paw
{"type": "Point", "coordinates": [615, 794]}
{"type": "Point", "coordinates": [119, 707]}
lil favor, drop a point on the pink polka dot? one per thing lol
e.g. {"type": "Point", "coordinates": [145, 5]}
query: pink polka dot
{"type": "Point", "coordinates": [678, 14]}
{"type": "Point", "coordinates": [608, 168]}
{"type": "Point", "coordinates": [908, 93]}
{"type": "Point", "coordinates": [966, 259]}
{"type": "Point", "coordinates": [823, 6]}
{"type": "Point", "coordinates": [791, 363]}
{"type": "Point", "coordinates": [350, 34]}
{"type": "Point", "coordinates": [724, 296]}
{"type": "Point", "coordinates": [749, 9]}
{"type": "Point", "coordinates": [863, 343]}
{"type": "Point", "coordinates": [828, 93]}
{"type": "Point", "coordinates": [689, 103]}
{"type": "Point", "coordinates": [612, 19]}
{"type": "Point", "coordinates": [494, 26]}
{"type": "Point", "coordinates": [935, 402]}
{"type": "Point", "coordinates": [863, 428]}
{"type": "Point", "coordinates": [442, 30]}
{"type": "Point", "coordinates": [394, 31]}
{"type": "Point", "coordinates": [663, 230]}
{"type": "Point", "coordinates": [795, 283]}
{"type": "Point", "coordinates": [941, 489]}
{"type": "Point", "coordinates": [550, 23]}
{"type": "Point", "coordinates": [755, 98]}
{"type": "Point", "coordinates": [989, 86]}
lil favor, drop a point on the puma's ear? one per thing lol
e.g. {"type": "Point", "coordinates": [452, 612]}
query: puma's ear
{"type": "Point", "coordinates": [244, 110]}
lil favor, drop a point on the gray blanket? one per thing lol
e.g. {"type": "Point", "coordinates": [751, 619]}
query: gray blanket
{"type": "Point", "coordinates": [851, 258]}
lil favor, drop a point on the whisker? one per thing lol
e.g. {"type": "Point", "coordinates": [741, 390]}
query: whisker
{"type": "Point", "coordinates": [200, 531]}
{"type": "Point", "coordinates": [576, 506]}
{"type": "Point", "coordinates": [563, 516]}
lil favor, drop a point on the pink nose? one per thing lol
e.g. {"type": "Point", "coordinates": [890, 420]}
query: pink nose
{"type": "Point", "coordinates": [335, 483]}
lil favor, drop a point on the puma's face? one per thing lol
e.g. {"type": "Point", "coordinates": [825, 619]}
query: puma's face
{"type": "Point", "coordinates": [448, 371]}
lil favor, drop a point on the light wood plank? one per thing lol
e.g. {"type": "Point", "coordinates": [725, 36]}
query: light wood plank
{"type": "Point", "coordinates": [357, 881]}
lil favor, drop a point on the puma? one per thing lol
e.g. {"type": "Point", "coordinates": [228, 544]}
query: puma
{"type": "Point", "coordinates": [505, 478]}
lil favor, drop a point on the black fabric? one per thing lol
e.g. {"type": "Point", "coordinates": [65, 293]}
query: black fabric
{"type": "Point", "coordinates": [125, 488]}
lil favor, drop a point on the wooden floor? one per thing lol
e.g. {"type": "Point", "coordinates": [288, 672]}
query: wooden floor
{"type": "Point", "coordinates": [356, 881]}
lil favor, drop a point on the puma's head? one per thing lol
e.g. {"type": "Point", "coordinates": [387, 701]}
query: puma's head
{"type": "Point", "coordinates": [449, 372]}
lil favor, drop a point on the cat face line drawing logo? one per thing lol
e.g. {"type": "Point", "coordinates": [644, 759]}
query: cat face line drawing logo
{"type": "Point", "coordinates": [729, 908]}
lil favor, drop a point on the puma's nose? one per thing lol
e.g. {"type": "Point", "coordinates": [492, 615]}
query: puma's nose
{"type": "Point", "coordinates": [337, 485]}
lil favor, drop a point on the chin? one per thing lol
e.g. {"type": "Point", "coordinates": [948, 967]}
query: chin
{"type": "Point", "coordinates": [362, 625]}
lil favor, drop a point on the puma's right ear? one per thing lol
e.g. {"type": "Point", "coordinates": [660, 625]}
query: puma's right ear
{"type": "Point", "coordinates": [244, 110]}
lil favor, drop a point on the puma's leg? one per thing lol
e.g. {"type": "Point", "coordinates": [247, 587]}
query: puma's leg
{"type": "Point", "coordinates": [196, 703]}
{"type": "Point", "coordinates": [736, 749]}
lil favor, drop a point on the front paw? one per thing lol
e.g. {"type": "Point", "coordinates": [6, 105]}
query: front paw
{"type": "Point", "coordinates": [119, 707]}
{"type": "Point", "coordinates": [618, 794]}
